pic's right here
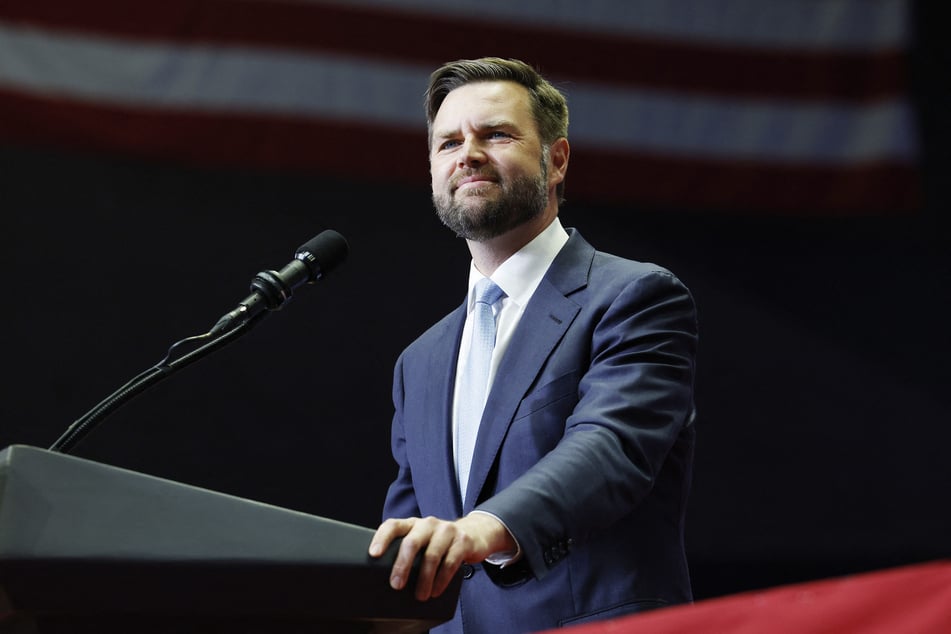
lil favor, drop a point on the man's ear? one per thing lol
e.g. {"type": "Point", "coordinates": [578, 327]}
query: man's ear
{"type": "Point", "coordinates": [559, 161]}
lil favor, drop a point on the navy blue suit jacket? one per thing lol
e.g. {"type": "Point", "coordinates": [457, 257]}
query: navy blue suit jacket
{"type": "Point", "coordinates": [585, 448]}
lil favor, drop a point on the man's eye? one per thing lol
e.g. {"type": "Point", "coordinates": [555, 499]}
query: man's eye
{"type": "Point", "coordinates": [448, 145]}
{"type": "Point", "coordinates": [498, 134]}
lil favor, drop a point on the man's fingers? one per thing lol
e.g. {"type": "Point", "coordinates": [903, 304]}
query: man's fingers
{"type": "Point", "coordinates": [416, 539]}
{"type": "Point", "coordinates": [444, 546]}
{"type": "Point", "coordinates": [387, 532]}
{"type": "Point", "coordinates": [454, 557]}
{"type": "Point", "coordinates": [434, 560]}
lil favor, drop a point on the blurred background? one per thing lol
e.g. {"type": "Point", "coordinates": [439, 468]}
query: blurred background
{"type": "Point", "coordinates": [786, 159]}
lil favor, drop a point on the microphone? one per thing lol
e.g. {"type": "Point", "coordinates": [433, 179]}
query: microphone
{"type": "Point", "coordinates": [271, 289]}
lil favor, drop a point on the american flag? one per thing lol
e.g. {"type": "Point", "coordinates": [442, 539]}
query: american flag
{"type": "Point", "coordinates": [778, 106]}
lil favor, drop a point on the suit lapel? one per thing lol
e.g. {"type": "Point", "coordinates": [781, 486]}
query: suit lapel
{"type": "Point", "coordinates": [547, 316]}
{"type": "Point", "coordinates": [437, 417]}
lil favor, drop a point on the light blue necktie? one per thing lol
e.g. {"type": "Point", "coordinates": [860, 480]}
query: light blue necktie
{"type": "Point", "coordinates": [474, 381]}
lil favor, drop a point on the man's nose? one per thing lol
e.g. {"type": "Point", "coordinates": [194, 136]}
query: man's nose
{"type": "Point", "coordinates": [472, 154]}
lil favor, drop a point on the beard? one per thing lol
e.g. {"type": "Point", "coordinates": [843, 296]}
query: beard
{"type": "Point", "coordinates": [521, 200]}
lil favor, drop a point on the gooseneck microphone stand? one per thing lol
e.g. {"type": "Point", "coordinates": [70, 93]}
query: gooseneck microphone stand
{"type": "Point", "coordinates": [175, 360]}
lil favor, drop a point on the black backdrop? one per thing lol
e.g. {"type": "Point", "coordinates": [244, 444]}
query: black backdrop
{"type": "Point", "coordinates": [822, 378]}
{"type": "Point", "coordinates": [823, 412]}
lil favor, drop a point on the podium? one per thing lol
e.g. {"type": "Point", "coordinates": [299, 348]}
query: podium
{"type": "Point", "coordinates": [88, 547]}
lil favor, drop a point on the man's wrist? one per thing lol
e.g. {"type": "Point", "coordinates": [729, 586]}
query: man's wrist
{"type": "Point", "coordinates": [507, 550]}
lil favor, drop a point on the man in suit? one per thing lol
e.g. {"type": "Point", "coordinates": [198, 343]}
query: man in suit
{"type": "Point", "coordinates": [570, 505]}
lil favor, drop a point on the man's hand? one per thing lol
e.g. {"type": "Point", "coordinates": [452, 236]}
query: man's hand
{"type": "Point", "coordinates": [445, 546]}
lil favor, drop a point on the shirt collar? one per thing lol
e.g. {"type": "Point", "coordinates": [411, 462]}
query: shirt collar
{"type": "Point", "coordinates": [521, 274]}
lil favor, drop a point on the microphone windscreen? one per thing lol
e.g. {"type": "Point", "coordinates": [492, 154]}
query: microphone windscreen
{"type": "Point", "coordinates": [326, 250]}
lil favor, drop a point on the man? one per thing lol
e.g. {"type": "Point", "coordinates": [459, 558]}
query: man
{"type": "Point", "coordinates": [570, 505]}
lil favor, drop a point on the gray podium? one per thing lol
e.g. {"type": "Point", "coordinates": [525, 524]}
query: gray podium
{"type": "Point", "coordinates": [88, 547]}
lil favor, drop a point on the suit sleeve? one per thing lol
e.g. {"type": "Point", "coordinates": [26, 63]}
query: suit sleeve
{"type": "Point", "coordinates": [634, 399]}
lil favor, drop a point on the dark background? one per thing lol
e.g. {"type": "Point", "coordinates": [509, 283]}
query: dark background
{"type": "Point", "coordinates": [823, 427]}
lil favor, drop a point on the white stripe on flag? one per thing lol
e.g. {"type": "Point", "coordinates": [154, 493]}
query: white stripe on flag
{"type": "Point", "coordinates": [673, 124]}
{"type": "Point", "coordinates": [218, 78]}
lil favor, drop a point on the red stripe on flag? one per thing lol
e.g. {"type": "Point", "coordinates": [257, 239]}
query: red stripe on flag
{"type": "Point", "coordinates": [217, 139]}
{"type": "Point", "coordinates": [341, 148]}
{"type": "Point", "coordinates": [429, 40]}
{"type": "Point", "coordinates": [761, 187]}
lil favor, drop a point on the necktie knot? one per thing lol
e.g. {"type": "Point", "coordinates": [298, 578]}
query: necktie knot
{"type": "Point", "coordinates": [487, 292]}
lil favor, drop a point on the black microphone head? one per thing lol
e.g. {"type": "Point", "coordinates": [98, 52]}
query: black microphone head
{"type": "Point", "coordinates": [322, 253]}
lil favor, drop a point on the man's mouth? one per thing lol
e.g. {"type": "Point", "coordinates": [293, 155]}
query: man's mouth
{"type": "Point", "coordinates": [471, 182]}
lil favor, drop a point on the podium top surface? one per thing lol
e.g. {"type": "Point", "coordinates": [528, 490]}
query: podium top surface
{"type": "Point", "coordinates": [60, 506]}
{"type": "Point", "coordinates": [80, 538]}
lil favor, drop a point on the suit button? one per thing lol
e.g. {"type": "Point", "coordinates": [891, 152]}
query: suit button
{"type": "Point", "coordinates": [467, 571]}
